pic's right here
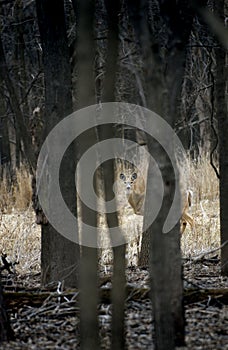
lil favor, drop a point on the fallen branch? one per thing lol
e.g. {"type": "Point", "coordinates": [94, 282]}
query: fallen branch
{"type": "Point", "coordinates": [15, 300]}
{"type": "Point", "coordinates": [202, 255]}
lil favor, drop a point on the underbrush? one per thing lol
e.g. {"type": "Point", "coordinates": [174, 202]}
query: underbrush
{"type": "Point", "coordinates": [17, 194]}
{"type": "Point", "coordinates": [203, 182]}
{"type": "Point", "coordinates": [20, 236]}
{"type": "Point", "coordinates": [19, 233]}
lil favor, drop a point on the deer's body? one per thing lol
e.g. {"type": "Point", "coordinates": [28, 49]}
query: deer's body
{"type": "Point", "coordinates": [136, 192]}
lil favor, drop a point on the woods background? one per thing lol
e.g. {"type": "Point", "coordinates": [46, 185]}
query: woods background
{"type": "Point", "coordinates": [171, 57]}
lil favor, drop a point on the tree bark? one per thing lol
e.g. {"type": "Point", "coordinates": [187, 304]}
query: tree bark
{"type": "Point", "coordinates": [15, 105]}
{"type": "Point", "coordinates": [5, 157]}
{"type": "Point", "coordinates": [6, 332]}
{"type": "Point", "coordinates": [85, 53]}
{"type": "Point", "coordinates": [119, 278]}
{"type": "Point", "coordinates": [221, 113]}
{"type": "Point", "coordinates": [59, 256]}
{"type": "Point", "coordinates": [164, 50]}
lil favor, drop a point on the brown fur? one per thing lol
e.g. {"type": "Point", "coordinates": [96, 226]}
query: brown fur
{"type": "Point", "coordinates": [136, 198]}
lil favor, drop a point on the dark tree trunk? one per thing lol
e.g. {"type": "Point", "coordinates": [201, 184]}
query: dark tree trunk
{"type": "Point", "coordinates": [59, 256]}
{"type": "Point", "coordinates": [164, 51]}
{"type": "Point", "coordinates": [15, 105]}
{"type": "Point", "coordinates": [119, 278]}
{"type": "Point", "coordinates": [6, 332]}
{"type": "Point", "coordinates": [5, 157]}
{"type": "Point", "coordinates": [85, 53]}
{"type": "Point", "coordinates": [221, 113]}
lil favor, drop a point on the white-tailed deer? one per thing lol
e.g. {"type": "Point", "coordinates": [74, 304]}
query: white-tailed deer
{"type": "Point", "coordinates": [136, 190]}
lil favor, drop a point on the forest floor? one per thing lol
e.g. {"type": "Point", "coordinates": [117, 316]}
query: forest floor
{"type": "Point", "coordinates": [49, 318]}
{"type": "Point", "coordinates": [52, 322]}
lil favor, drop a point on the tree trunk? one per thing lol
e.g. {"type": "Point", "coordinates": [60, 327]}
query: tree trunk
{"type": "Point", "coordinates": [164, 53]}
{"type": "Point", "coordinates": [5, 157]}
{"type": "Point", "coordinates": [15, 105]}
{"type": "Point", "coordinates": [221, 113]}
{"type": "Point", "coordinates": [85, 53]}
{"type": "Point", "coordinates": [59, 256]}
{"type": "Point", "coordinates": [119, 278]}
{"type": "Point", "coordinates": [6, 332]}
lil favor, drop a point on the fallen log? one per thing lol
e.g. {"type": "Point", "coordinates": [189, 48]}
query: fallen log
{"type": "Point", "coordinates": [16, 300]}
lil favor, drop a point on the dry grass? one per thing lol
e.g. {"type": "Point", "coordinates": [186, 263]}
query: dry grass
{"type": "Point", "coordinates": [17, 195]}
{"type": "Point", "coordinates": [203, 182]}
{"type": "Point", "coordinates": [20, 236]}
{"type": "Point", "coordinates": [20, 240]}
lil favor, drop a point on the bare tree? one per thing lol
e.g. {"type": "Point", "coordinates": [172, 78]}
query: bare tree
{"type": "Point", "coordinates": [164, 51]}
{"type": "Point", "coordinates": [15, 105]}
{"type": "Point", "coordinates": [221, 113]}
{"type": "Point", "coordinates": [19, 69]}
{"type": "Point", "coordinates": [59, 256]}
{"type": "Point", "coordinates": [85, 53]}
{"type": "Point", "coordinates": [119, 279]}
{"type": "Point", "coordinates": [6, 332]}
{"type": "Point", "coordinates": [5, 157]}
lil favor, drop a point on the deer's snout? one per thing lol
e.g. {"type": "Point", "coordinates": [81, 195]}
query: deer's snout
{"type": "Point", "coordinates": [128, 186]}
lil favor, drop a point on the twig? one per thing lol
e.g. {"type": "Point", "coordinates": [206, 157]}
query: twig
{"type": "Point", "coordinates": [202, 255]}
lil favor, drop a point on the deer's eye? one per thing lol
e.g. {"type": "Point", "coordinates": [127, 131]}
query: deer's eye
{"type": "Point", "coordinates": [134, 176]}
{"type": "Point", "coordinates": [122, 177]}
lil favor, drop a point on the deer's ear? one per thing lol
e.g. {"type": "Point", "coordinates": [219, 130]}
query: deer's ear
{"type": "Point", "coordinates": [134, 176]}
{"type": "Point", "coordinates": [122, 176]}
